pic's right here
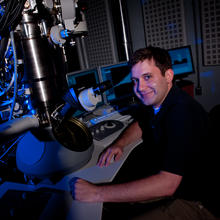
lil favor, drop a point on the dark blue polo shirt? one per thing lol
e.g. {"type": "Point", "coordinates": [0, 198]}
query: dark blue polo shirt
{"type": "Point", "coordinates": [175, 141]}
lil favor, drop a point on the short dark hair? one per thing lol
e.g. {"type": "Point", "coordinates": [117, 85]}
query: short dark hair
{"type": "Point", "coordinates": [161, 57]}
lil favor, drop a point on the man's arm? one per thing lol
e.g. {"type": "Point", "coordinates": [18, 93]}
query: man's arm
{"type": "Point", "coordinates": [130, 134]}
{"type": "Point", "coordinates": [156, 186]}
{"type": "Point", "coordinates": [115, 150]}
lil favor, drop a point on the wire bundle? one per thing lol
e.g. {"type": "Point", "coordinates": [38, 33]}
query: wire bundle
{"type": "Point", "coordinates": [10, 18]}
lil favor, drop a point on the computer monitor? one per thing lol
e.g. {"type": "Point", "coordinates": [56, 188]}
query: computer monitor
{"type": "Point", "coordinates": [119, 75]}
{"type": "Point", "coordinates": [182, 62]}
{"type": "Point", "coordinates": [83, 79]}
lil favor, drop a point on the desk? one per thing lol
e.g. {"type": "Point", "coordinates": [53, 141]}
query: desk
{"type": "Point", "coordinates": [95, 174]}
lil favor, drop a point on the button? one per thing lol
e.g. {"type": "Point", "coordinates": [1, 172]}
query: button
{"type": "Point", "coordinates": [102, 128]}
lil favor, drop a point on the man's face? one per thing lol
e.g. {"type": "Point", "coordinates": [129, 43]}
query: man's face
{"type": "Point", "coordinates": [150, 86]}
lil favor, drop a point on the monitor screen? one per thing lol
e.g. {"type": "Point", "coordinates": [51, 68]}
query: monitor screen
{"type": "Point", "coordinates": [83, 79]}
{"type": "Point", "coordinates": [182, 62]}
{"type": "Point", "coordinates": [119, 75]}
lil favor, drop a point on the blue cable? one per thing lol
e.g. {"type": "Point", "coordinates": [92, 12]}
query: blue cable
{"type": "Point", "coordinates": [15, 74]}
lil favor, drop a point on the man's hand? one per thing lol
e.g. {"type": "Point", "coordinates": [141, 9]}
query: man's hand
{"type": "Point", "coordinates": [113, 152]}
{"type": "Point", "coordinates": [84, 191]}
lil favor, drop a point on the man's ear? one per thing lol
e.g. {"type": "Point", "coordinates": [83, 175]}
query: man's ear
{"type": "Point", "coordinates": [169, 74]}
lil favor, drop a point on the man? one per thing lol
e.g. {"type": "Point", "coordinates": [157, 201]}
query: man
{"type": "Point", "coordinates": [165, 174]}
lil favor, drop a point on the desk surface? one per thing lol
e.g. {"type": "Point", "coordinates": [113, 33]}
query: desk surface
{"type": "Point", "coordinates": [95, 174]}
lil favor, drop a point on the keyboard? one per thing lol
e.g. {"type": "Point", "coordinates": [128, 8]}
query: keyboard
{"type": "Point", "coordinates": [105, 128]}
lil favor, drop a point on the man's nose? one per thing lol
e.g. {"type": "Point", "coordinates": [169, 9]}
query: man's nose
{"type": "Point", "coordinates": [141, 85]}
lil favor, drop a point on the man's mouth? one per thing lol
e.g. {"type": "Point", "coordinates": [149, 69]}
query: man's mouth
{"type": "Point", "coordinates": [147, 93]}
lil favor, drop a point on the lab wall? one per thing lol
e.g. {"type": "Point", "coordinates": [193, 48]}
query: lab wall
{"type": "Point", "coordinates": [206, 78]}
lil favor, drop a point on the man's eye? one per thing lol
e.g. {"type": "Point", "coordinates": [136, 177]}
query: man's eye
{"type": "Point", "coordinates": [147, 77]}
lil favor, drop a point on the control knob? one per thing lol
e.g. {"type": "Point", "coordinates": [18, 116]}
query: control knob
{"type": "Point", "coordinates": [109, 124]}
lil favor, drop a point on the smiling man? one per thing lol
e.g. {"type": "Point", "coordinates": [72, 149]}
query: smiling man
{"type": "Point", "coordinates": [163, 178]}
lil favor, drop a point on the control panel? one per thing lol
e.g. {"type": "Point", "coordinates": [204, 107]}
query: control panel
{"type": "Point", "coordinates": [105, 128]}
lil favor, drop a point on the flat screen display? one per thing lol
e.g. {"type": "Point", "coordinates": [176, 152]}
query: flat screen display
{"type": "Point", "coordinates": [119, 75]}
{"type": "Point", "coordinates": [182, 62]}
{"type": "Point", "coordinates": [83, 79]}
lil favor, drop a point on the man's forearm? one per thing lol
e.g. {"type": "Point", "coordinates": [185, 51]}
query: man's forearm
{"type": "Point", "coordinates": [131, 134]}
{"type": "Point", "coordinates": [160, 185]}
